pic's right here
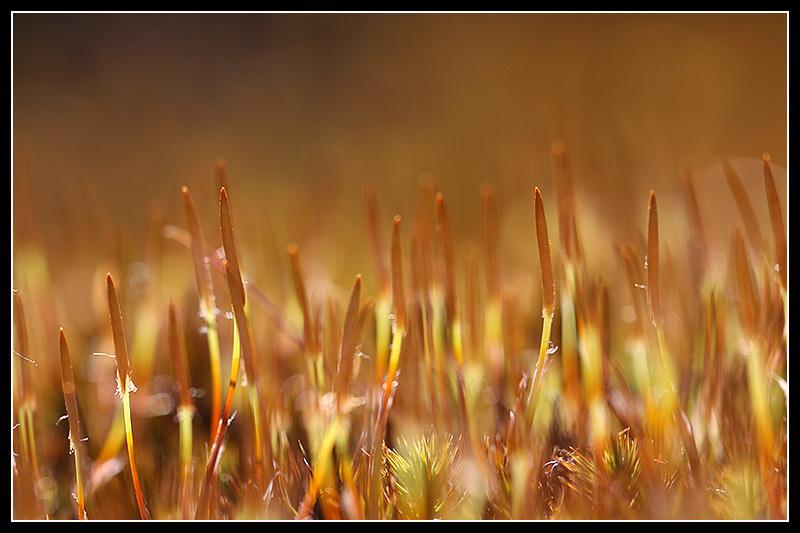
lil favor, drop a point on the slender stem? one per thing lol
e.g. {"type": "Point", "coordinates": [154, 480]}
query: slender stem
{"type": "Point", "coordinates": [538, 377]}
{"type": "Point", "coordinates": [394, 362]}
{"type": "Point", "coordinates": [28, 411]}
{"type": "Point", "coordinates": [670, 405]}
{"type": "Point", "coordinates": [383, 331]}
{"type": "Point", "coordinates": [185, 415]}
{"type": "Point", "coordinates": [323, 464]}
{"type": "Point", "coordinates": [22, 418]}
{"type": "Point", "coordinates": [259, 452]}
{"type": "Point", "coordinates": [202, 511]}
{"type": "Point", "coordinates": [79, 484]}
{"type": "Point", "coordinates": [212, 336]}
{"type": "Point", "coordinates": [137, 487]}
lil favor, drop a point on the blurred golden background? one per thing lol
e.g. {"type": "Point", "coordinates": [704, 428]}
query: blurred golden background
{"type": "Point", "coordinates": [113, 113]}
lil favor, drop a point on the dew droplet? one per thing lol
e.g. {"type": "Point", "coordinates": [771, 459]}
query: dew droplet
{"type": "Point", "coordinates": [196, 393]}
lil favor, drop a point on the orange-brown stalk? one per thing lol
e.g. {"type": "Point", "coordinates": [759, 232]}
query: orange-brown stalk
{"type": "Point", "coordinates": [347, 350]}
{"type": "Point", "coordinates": [125, 387]}
{"type": "Point", "coordinates": [24, 385]}
{"type": "Point", "coordinates": [322, 469]}
{"type": "Point", "coordinates": [569, 272]}
{"type": "Point", "coordinates": [398, 300]}
{"type": "Point", "coordinates": [205, 288]}
{"type": "Point", "coordinates": [757, 377]}
{"type": "Point", "coordinates": [257, 294]}
{"type": "Point", "coordinates": [745, 207]}
{"type": "Point", "coordinates": [446, 240]}
{"type": "Point", "coordinates": [776, 219]}
{"type": "Point", "coordinates": [206, 489]}
{"type": "Point", "coordinates": [448, 256]}
{"type": "Point", "coordinates": [310, 335]}
{"type": "Point", "coordinates": [383, 305]}
{"type": "Point", "coordinates": [432, 373]}
{"type": "Point", "coordinates": [472, 304]}
{"type": "Point", "coordinates": [75, 435]}
{"type": "Point", "coordinates": [180, 369]}
{"type": "Point", "coordinates": [698, 238]}
{"type": "Point", "coordinates": [653, 266]}
{"type": "Point", "coordinates": [548, 296]}
{"type": "Point", "coordinates": [238, 302]}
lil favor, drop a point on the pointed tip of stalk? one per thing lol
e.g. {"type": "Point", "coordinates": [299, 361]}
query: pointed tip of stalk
{"type": "Point", "coordinates": [223, 197]}
{"type": "Point", "coordinates": [439, 201]}
{"type": "Point", "coordinates": [744, 206]}
{"type": "Point", "coordinates": [63, 349]}
{"type": "Point", "coordinates": [748, 303]}
{"type": "Point", "coordinates": [118, 334]}
{"type": "Point", "coordinates": [235, 281]}
{"type": "Point", "coordinates": [21, 335]}
{"type": "Point", "coordinates": [693, 210]}
{"type": "Point", "coordinates": [398, 294]}
{"type": "Point", "coordinates": [775, 218]}
{"type": "Point", "coordinates": [188, 204]}
{"type": "Point", "coordinates": [352, 323]}
{"type": "Point", "coordinates": [545, 263]}
{"type": "Point", "coordinates": [310, 336]}
{"type": "Point", "coordinates": [653, 287]}
{"type": "Point", "coordinates": [443, 223]}
{"type": "Point", "coordinates": [186, 197]}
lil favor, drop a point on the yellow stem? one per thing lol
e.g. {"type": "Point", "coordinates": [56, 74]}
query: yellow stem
{"type": "Point", "coordinates": [126, 410]}
{"type": "Point", "coordinates": [79, 483]}
{"type": "Point", "coordinates": [216, 374]}
{"type": "Point", "coordinates": [544, 346]}
{"type": "Point", "coordinates": [256, 409]}
{"type": "Point", "coordinates": [185, 415]}
{"type": "Point", "coordinates": [383, 309]}
{"type": "Point", "coordinates": [32, 441]}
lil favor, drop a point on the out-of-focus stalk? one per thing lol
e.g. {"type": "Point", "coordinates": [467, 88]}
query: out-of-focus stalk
{"type": "Point", "coordinates": [548, 299]}
{"type": "Point", "coordinates": [180, 368]}
{"type": "Point", "coordinates": [125, 387]}
{"type": "Point", "coordinates": [75, 435]}
{"type": "Point", "coordinates": [205, 289]}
